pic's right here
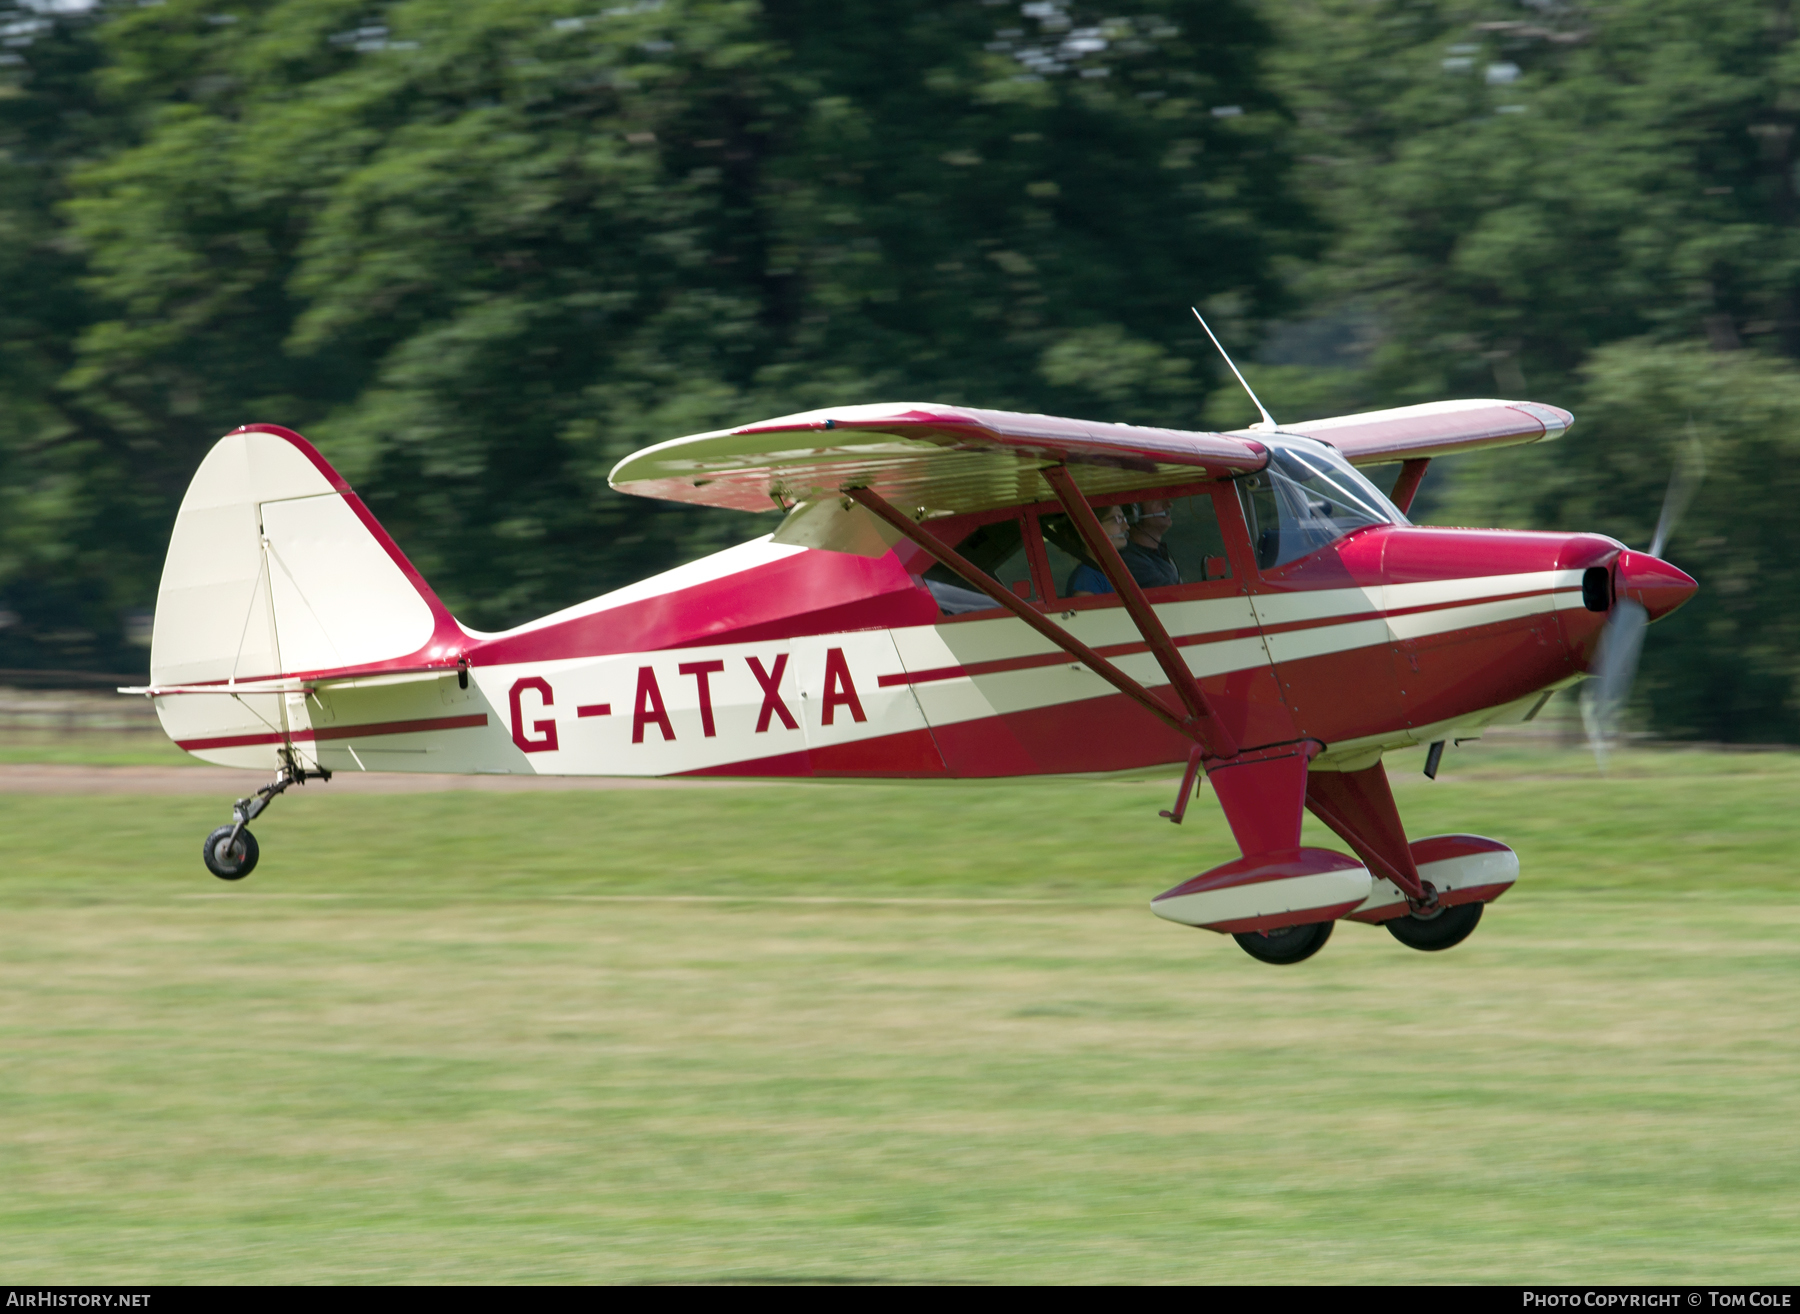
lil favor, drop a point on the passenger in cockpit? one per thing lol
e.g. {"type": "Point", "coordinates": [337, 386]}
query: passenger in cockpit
{"type": "Point", "coordinates": [1137, 530]}
{"type": "Point", "coordinates": [1086, 580]}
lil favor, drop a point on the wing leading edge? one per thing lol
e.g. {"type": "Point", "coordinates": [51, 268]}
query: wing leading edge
{"type": "Point", "coordinates": [1444, 428]}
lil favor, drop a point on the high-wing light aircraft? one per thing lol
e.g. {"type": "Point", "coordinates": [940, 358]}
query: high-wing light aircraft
{"type": "Point", "coordinates": [951, 593]}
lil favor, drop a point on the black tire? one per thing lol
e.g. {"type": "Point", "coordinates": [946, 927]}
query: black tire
{"type": "Point", "coordinates": [1290, 944]}
{"type": "Point", "coordinates": [233, 865]}
{"type": "Point", "coordinates": [1445, 929]}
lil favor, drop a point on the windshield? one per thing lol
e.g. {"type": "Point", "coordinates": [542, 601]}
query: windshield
{"type": "Point", "coordinates": [1308, 496]}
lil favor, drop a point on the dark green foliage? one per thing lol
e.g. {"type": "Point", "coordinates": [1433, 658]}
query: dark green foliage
{"type": "Point", "coordinates": [1593, 206]}
{"type": "Point", "coordinates": [1727, 665]}
{"type": "Point", "coordinates": [60, 516]}
{"type": "Point", "coordinates": [1519, 184]}
{"type": "Point", "coordinates": [481, 251]}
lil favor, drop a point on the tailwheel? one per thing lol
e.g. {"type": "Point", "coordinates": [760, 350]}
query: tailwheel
{"type": "Point", "coordinates": [231, 851]}
{"type": "Point", "coordinates": [231, 857]}
{"type": "Point", "coordinates": [1288, 944]}
{"type": "Point", "coordinates": [1443, 928]}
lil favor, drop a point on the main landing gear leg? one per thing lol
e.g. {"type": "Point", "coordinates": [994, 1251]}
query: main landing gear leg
{"type": "Point", "coordinates": [1280, 899]}
{"type": "Point", "coordinates": [1359, 806]}
{"type": "Point", "coordinates": [231, 851]}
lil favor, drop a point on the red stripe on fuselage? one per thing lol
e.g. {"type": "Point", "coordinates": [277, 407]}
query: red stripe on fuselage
{"type": "Point", "coordinates": [805, 594]}
{"type": "Point", "coordinates": [910, 754]}
{"type": "Point", "coordinates": [369, 731]}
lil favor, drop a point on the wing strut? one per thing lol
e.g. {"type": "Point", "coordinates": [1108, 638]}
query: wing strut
{"type": "Point", "coordinates": [1411, 472]}
{"type": "Point", "coordinates": [1199, 731]}
{"type": "Point", "coordinates": [1216, 739]}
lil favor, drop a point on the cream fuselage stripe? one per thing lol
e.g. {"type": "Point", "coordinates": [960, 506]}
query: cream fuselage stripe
{"type": "Point", "coordinates": [1004, 665]}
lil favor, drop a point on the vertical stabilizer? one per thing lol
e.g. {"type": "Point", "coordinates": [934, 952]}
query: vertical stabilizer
{"type": "Point", "coordinates": [276, 571]}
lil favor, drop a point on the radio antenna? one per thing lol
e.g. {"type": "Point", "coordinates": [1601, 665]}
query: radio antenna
{"type": "Point", "coordinates": [1268, 421]}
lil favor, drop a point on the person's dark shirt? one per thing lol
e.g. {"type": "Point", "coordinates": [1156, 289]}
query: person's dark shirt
{"type": "Point", "coordinates": [1151, 567]}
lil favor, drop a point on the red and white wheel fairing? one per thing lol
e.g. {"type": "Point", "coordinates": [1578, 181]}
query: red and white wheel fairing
{"type": "Point", "coordinates": [1461, 868]}
{"type": "Point", "coordinates": [1268, 891]}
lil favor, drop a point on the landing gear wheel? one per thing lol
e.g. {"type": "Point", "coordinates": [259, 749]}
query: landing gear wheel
{"type": "Point", "coordinates": [227, 859]}
{"type": "Point", "coordinates": [1444, 929]}
{"type": "Point", "coordinates": [233, 859]}
{"type": "Point", "coordinates": [1290, 944]}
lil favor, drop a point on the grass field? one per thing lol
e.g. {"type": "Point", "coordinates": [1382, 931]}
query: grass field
{"type": "Point", "coordinates": [860, 1032]}
{"type": "Point", "coordinates": [102, 750]}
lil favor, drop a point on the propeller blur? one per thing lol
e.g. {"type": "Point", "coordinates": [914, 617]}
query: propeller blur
{"type": "Point", "coordinates": [1648, 583]}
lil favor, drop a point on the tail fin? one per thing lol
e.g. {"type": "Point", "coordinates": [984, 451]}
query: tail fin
{"type": "Point", "coordinates": [277, 573]}
{"type": "Point", "coordinates": [277, 569]}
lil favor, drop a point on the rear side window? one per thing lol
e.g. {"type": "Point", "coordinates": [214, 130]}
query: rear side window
{"type": "Point", "coordinates": [997, 547]}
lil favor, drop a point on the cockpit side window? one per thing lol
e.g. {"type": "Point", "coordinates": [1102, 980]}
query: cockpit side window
{"type": "Point", "coordinates": [1305, 498]}
{"type": "Point", "coordinates": [1172, 541]}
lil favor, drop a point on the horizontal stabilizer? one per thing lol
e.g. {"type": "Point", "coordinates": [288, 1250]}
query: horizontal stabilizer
{"type": "Point", "coordinates": [294, 684]}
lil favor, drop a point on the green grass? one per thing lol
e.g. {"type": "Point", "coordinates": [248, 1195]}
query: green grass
{"type": "Point", "coordinates": [92, 747]}
{"type": "Point", "coordinates": [641, 1036]}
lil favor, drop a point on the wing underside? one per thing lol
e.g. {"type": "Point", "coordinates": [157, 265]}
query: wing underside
{"type": "Point", "coordinates": [930, 459]}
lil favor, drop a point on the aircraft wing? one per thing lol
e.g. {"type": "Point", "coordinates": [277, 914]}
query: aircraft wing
{"type": "Point", "coordinates": [924, 457]}
{"type": "Point", "coordinates": [1436, 429]}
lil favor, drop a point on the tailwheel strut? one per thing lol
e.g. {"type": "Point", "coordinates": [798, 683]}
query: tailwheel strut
{"type": "Point", "coordinates": [231, 851]}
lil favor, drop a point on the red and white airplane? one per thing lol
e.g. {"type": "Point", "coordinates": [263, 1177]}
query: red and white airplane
{"type": "Point", "coordinates": [943, 599]}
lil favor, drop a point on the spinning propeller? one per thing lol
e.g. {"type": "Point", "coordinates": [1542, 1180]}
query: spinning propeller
{"type": "Point", "coordinates": [1637, 577]}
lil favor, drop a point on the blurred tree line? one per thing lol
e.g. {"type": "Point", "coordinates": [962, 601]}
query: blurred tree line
{"type": "Point", "coordinates": [480, 249]}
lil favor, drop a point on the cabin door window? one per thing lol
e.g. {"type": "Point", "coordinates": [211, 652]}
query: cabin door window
{"type": "Point", "coordinates": [1169, 541]}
